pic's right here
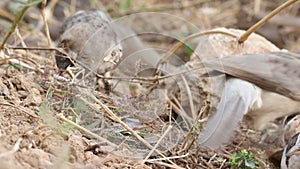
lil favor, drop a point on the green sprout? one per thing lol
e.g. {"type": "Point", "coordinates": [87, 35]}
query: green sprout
{"type": "Point", "coordinates": [187, 47]}
{"type": "Point", "coordinates": [244, 160]}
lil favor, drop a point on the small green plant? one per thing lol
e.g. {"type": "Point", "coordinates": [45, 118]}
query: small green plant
{"type": "Point", "coordinates": [244, 160]}
{"type": "Point", "coordinates": [188, 50]}
{"type": "Point", "coordinates": [187, 47]}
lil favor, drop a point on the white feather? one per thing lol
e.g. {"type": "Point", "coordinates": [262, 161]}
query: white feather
{"type": "Point", "coordinates": [237, 98]}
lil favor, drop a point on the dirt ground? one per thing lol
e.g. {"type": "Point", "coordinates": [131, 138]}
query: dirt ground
{"type": "Point", "coordinates": [36, 129]}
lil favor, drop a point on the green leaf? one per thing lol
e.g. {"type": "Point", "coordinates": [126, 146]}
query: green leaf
{"type": "Point", "coordinates": [188, 50]}
{"type": "Point", "coordinates": [244, 160]}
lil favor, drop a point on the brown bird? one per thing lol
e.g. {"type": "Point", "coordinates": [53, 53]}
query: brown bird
{"type": "Point", "coordinates": [90, 41]}
{"type": "Point", "coordinates": [263, 86]}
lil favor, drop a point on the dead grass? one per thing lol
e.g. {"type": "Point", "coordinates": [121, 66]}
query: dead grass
{"type": "Point", "coordinates": [38, 110]}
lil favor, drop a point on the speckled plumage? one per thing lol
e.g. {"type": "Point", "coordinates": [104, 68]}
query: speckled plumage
{"type": "Point", "coordinates": [88, 38]}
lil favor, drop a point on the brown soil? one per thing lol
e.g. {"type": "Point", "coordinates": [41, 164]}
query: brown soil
{"type": "Point", "coordinates": [32, 135]}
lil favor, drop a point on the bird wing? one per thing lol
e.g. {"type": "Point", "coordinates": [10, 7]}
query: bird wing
{"type": "Point", "coordinates": [276, 72]}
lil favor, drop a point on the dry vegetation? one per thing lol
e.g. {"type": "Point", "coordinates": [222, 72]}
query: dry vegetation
{"type": "Point", "coordinates": [38, 110]}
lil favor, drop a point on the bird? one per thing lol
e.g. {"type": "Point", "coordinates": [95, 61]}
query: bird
{"type": "Point", "coordinates": [264, 86]}
{"type": "Point", "coordinates": [232, 96]}
{"type": "Point", "coordinates": [291, 154]}
{"type": "Point", "coordinates": [90, 41]}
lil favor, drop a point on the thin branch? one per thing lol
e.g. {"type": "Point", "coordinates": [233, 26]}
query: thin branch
{"type": "Point", "coordinates": [6, 14]}
{"type": "Point", "coordinates": [259, 24]}
{"type": "Point", "coordinates": [158, 142]}
{"type": "Point", "coordinates": [36, 48]}
{"type": "Point", "coordinates": [118, 120]}
{"type": "Point", "coordinates": [43, 11]}
{"type": "Point", "coordinates": [190, 97]}
{"type": "Point", "coordinates": [17, 20]}
{"type": "Point", "coordinates": [62, 118]}
{"type": "Point", "coordinates": [174, 157]}
{"type": "Point", "coordinates": [181, 43]}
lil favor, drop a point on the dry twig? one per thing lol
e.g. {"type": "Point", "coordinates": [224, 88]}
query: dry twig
{"type": "Point", "coordinates": [256, 26]}
{"type": "Point", "coordinates": [17, 20]}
